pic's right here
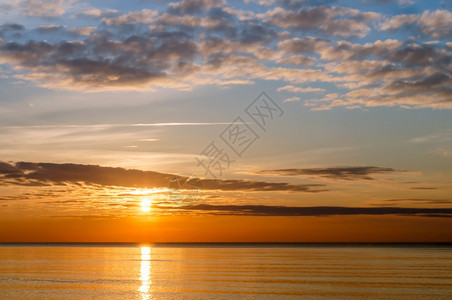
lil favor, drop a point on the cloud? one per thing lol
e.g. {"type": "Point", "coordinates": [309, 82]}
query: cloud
{"type": "Point", "coordinates": [40, 8]}
{"type": "Point", "coordinates": [144, 16]}
{"type": "Point", "coordinates": [303, 45]}
{"type": "Point", "coordinates": [10, 27]}
{"type": "Point", "coordinates": [388, 73]}
{"type": "Point", "coordinates": [294, 89]}
{"type": "Point", "coordinates": [337, 21]}
{"type": "Point", "coordinates": [210, 42]}
{"type": "Point", "coordinates": [137, 61]}
{"type": "Point", "coordinates": [250, 185]}
{"type": "Point", "coordinates": [97, 13]}
{"type": "Point", "coordinates": [406, 3]}
{"type": "Point", "coordinates": [261, 2]}
{"type": "Point", "coordinates": [9, 169]}
{"type": "Point", "coordinates": [26, 173]}
{"type": "Point", "coordinates": [265, 210]}
{"type": "Point", "coordinates": [298, 60]}
{"type": "Point", "coordinates": [434, 24]}
{"type": "Point", "coordinates": [82, 31]}
{"type": "Point", "coordinates": [444, 152]}
{"type": "Point", "coordinates": [296, 4]}
{"type": "Point", "coordinates": [343, 173]}
{"type": "Point", "coordinates": [194, 6]}
{"type": "Point", "coordinates": [417, 200]}
{"type": "Point", "coordinates": [292, 99]}
{"type": "Point", "coordinates": [187, 21]}
{"type": "Point", "coordinates": [439, 137]}
{"type": "Point", "coordinates": [50, 28]}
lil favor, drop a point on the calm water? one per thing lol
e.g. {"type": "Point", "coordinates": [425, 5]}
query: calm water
{"type": "Point", "coordinates": [195, 272]}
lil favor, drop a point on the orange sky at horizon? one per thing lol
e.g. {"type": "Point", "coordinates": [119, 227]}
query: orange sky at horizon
{"type": "Point", "coordinates": [230, 229]}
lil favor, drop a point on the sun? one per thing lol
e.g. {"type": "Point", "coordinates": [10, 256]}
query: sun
{"type": "Point", "coordinates": [146, 204]}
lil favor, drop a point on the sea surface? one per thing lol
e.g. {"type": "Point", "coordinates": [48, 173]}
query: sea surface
{"type": "Point", "coordinates": [225, 271]}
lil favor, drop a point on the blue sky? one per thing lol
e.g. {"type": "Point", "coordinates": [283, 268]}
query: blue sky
{"type": "Point", "coordinates": [363, 72]}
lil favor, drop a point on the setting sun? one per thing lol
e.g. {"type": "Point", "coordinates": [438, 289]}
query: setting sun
{"type": "Point", "coordinates": [146, 204]}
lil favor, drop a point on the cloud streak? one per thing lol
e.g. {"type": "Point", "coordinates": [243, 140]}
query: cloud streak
{"type": "Point", "coordinates": [337, 173]}
{"type": "Point", "coordinates": [45, 174]}
{"type": "Point", "coordinates": [265, 210]}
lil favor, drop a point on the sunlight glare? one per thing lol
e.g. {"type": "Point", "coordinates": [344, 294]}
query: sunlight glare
{"type": "Point", "coordinates": [145, 273]}
{"type": "Point", "coordinates": [146, 204]}
{"type": "Point", "coordinates": [142, 192]}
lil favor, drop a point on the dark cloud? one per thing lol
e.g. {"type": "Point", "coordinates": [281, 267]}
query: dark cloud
{"type": "Point", "coordinates": [299, 60]}
{"type": "Point", "coordinates": [432, 83]}
{"type": "Point", "coordinates": [308, 45]}
{"type": "Point", "coordinates": [9, 170]}
{"type": "Point", "coordinates": [10, 27]}
{"type": "Point", "coordinates": [35, 174]}
{"type": "Point", "coordinates": [296, 4]}
{"type": "Point", "coordinates": [100, 62]}
{"type": "Point", "coordinates": [435, 24]}
{"type": "Point", "coordinates": [50, 28]}
{"type": "Point", "coordinates": [337, 21]}
{"type": "Point", "coordinates": [345, 173]}
{"type": "Point", "coordinates": [231, 185]}
{"type": "Point", "coordinates": [256, 33]}
{"type": "Point", "coordinates": [417, 200]}
{"type": "Point", "coordinates": [92, 174]}
{"type": "Point", "coordinates": [194, 6]}
{"type": "Point", "coordinates": [145, 16]}
{"type": "Point", "coordinates": [264, 210]}
{"type": "Point", "coordinates": [413, 54]}
{"type": "Point", "coordinates": [394, 72]}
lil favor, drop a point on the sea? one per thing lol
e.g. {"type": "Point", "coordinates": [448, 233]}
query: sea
{"type": "Point", "coordinates": [225, 271]}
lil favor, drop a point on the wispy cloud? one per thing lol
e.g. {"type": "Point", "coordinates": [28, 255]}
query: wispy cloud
{"type": "Point", "coordinates": [292, 99]}
{"type": "Point", "coordinates": [104, 126]}
{"type": "Point", "coordinates": [445, 152]}
{"type": "Point", "coordinates": [294, 89]}
{"type": "Point", "coordinates": [264, 210]}
{"type": "Point", "coordinates": [420, 200]}
{"type": "Point", "coordinates": [342, 173]}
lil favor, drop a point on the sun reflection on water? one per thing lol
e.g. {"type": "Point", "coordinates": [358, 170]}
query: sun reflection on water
{"type": "Point", "coordinates": [145, 273]}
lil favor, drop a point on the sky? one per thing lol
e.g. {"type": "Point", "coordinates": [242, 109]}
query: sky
{"type": "Point", "coordinates": [225, 121]}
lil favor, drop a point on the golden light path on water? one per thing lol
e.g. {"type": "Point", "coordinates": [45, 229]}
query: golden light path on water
{"type": "Point", "coordinates": [145, 273]}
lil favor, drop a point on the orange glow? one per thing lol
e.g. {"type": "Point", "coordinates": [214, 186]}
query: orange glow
{"type": "Point", "coordinates": [230, 229]}
{"type": "Point", "coordinates": [145, 273]}
{"type": "Point", "coordinates": [146, 204]}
